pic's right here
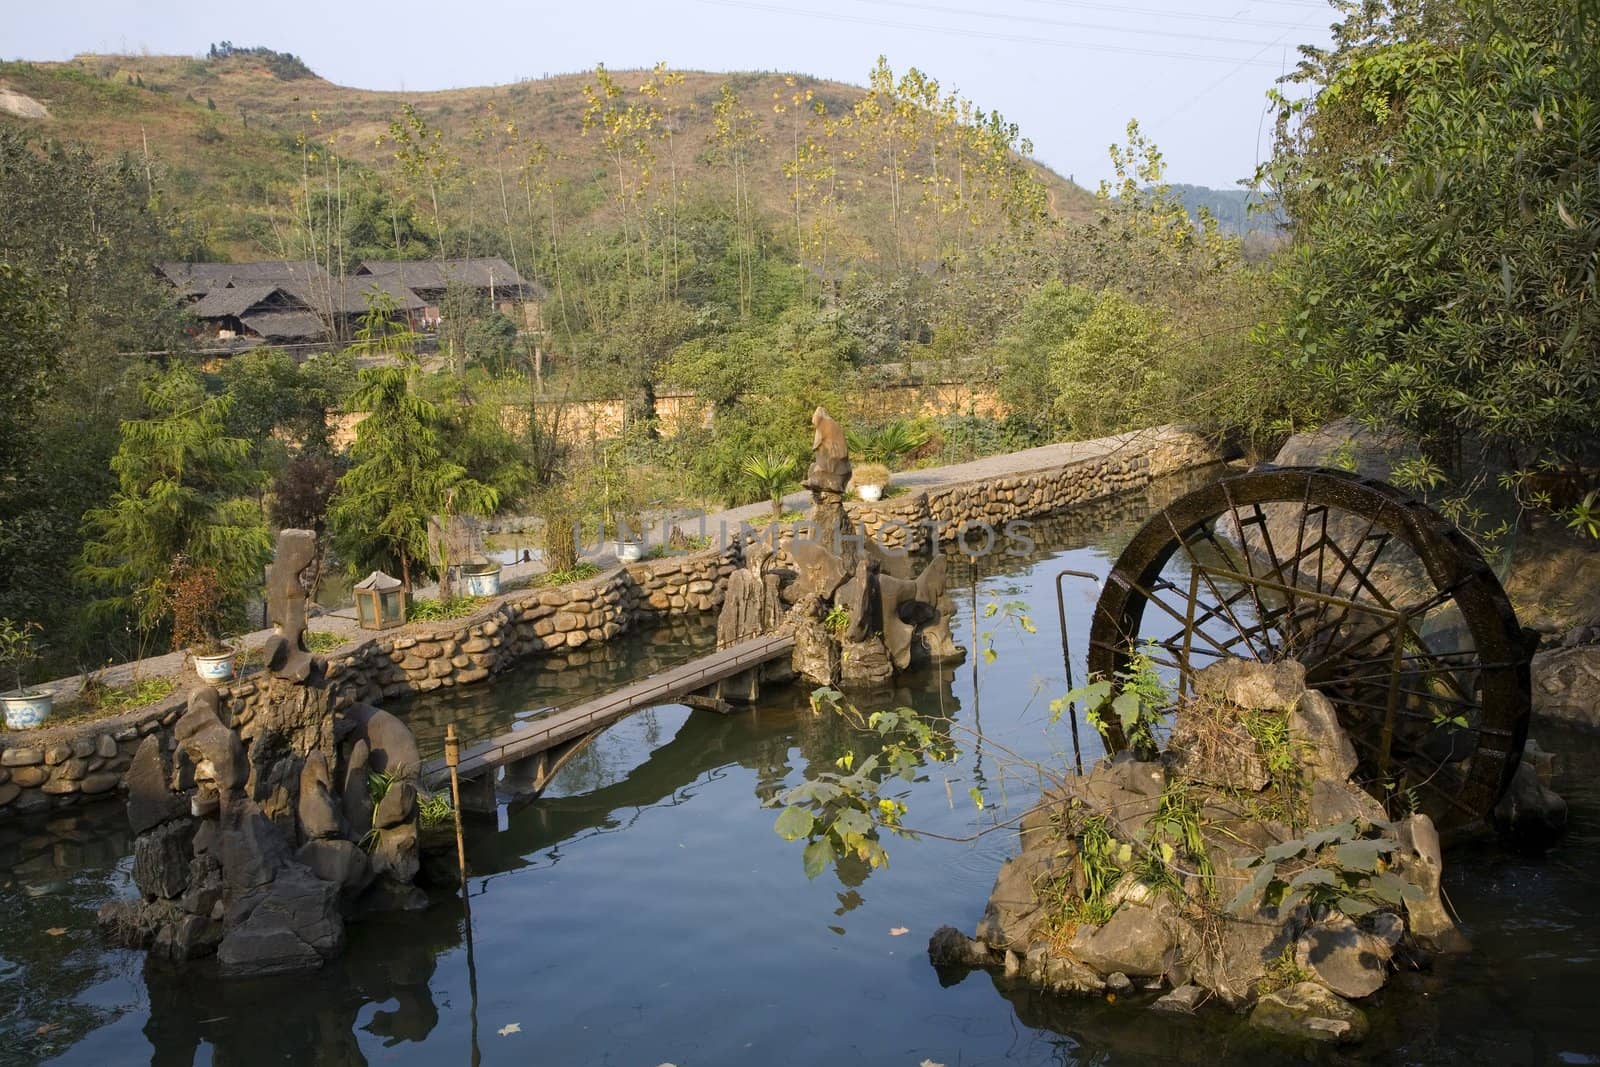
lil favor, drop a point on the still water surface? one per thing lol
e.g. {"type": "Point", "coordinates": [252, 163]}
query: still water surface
{"type": "Point", "coordinates": [644, 912]}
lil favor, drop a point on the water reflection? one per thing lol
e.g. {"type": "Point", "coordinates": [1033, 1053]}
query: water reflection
{"type": "Point", "coordinates": [54, 872]}
{"type": "Point", "coordinates": [644, 912]}
{"type": "Point", "coordinates": [315, 1018]}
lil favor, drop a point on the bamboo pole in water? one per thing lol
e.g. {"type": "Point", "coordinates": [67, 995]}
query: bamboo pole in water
{"type": "Point", "coordinates": [452, 759]}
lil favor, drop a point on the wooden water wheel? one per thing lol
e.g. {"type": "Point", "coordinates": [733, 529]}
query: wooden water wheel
{"type": "Point", "coordinates": [1394, 612]}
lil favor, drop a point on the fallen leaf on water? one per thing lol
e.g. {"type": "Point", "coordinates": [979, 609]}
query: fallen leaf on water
{"type": "Point", "coordinates": [1111, 998]}
{"type": "Point", "coordinates": [510, 1028]}
{"type": "Point", "coordinates": [56, 931]}
{"type": "Point", "coordinates": [929, 1063]}
{"type": "Point", "coordinates": [896, 931]}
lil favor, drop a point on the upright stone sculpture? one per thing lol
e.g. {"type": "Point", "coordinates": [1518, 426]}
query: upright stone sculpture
{"type": "Point", "coordinates": [286, 654]}
{"type": "Point", "coordinates": [857, 611]}
{"type": "Point", "coordinates": [828, 477]}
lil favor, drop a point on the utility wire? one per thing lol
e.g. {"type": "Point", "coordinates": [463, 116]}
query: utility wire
{"type": "Point", "coordinates": [749, 5]}
{"type": "Point", "coordinates": [1253, 60]}
{"type": "Point", "coordinates": [1185, 35]}
{"type": "Point", "coordinates": [1235, 20]}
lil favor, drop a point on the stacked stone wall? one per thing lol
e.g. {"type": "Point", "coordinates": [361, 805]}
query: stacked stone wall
{"type": "Point", "coordinates": [60, 765]}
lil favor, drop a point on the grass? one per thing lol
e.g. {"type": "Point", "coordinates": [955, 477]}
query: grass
{"type": "Point", "coordinates": [695, 543]}
{"type": "Point", "coordinates": [324, 641]}
{"type": "Point", "coordinates": [114, 700]}
{"type": "Point", "coordinates": [429, 610]}
{"type": "Point", "coordinates": [96, 700]}
{"type": "Point", "coordinates": [1282, 973]}
{"type": "Point", "coordinates": [576, 574]}
{"type": "Point", "coordinates": [786, 516]}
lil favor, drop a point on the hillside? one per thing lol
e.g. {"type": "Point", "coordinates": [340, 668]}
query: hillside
{"type": "Point", "coordinates": [225, 137]}
{"type": "Point", "coordinates": [1237, 211]}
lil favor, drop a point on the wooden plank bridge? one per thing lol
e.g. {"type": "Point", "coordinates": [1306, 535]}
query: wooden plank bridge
{"type": "Point", "coordinates": [534, 751]}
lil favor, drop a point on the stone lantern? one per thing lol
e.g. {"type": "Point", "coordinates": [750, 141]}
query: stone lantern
{"type": "Point", "coordinates": [380, 602]}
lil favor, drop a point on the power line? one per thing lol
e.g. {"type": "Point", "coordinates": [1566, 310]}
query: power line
{"type": "Point", "coordinates": [1195, 98]}
{"type": "Point", "coordinates": [1235, 20]}
{"type": "Point", "coordinates": [1009, 17]}
{"type": "Point", "coordinates": [862, 20]}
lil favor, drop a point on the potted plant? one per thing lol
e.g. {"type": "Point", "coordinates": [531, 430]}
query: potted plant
{"type": "Point", "coordinates": [26, 708]}
{"type": "Point", "coordinates": [627, 537]}
{"type": "Point", "coordinates": [871, 479]}
{"type": "Point", "coordinates": [195, 598]}
{"type": "Point", "coordinates": [480, 577]}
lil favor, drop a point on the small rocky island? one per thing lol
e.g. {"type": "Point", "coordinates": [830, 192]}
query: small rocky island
{"type": "Point", "coordinates": [255, 839]}
{"type": "Point", "coordinates": [1241, 865]}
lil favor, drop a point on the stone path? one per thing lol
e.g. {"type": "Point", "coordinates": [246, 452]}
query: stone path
{"type": "Point", "coordinates": [342, 620]}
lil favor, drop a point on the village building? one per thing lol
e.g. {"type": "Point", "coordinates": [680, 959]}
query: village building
{"type": "Point", "coordinates": [490, 278]}
{"type": "Point", "coordinates": [285, 302]}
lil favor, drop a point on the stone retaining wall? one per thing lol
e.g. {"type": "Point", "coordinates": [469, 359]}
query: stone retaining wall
{"type": "Point", "coordinates": [59, 765]}
{"type": "Point", "coordinates": [56, 766]}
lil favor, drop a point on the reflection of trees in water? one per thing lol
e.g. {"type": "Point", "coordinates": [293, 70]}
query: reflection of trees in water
{"type": "Point", "coordinates": [55, 872]}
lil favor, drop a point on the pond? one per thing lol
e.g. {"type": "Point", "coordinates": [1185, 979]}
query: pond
{"type": "Point", "coordinates": [644, 912]}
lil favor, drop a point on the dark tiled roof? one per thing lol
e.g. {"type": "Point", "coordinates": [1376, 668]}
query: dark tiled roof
{"type": "Point", "coordinates": [479, 273]}
{"type": "Point", "coordinates": [204, 277]}
{"type": "Point", "coordinates": [286, 325]}
{"type": "Point", "coordinates": [232, 301]}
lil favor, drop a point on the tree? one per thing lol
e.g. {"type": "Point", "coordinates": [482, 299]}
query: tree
{"type": "Point", "coordinates": [1443, 183]}
{"type": "Point", "coordinates": [1110, 373]}
{"type": "Point", "coordinates": [633, 347]}
{"type": "Point", "coordinates": [77, 238]}
{"type": "Point", "coordinates": [1052, 314]}
{"type": "Point", "coordinates": [400, 477]}
{"type": "Point", "coordinates": [183, 492]}
{"type": "Point", "coordinates": [764, 380]}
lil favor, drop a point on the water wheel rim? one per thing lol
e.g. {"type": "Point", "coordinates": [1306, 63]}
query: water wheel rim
{"type": "Point", "coordinates": [1452, 564]}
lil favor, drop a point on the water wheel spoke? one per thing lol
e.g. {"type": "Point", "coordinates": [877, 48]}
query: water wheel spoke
{"type": "Point", "coordinates": [1151, 597]}
{"type": "Point", "coordinates": [1384, 605]}
{"type": "Point", "coordinates": [1225, 603]}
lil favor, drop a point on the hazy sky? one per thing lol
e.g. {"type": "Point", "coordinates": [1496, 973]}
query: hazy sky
{"type": "Point", "coordinates": [1070, 72]}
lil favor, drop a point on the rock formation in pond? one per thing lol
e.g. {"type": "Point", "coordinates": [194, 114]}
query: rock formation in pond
{"type": "Point", "coordinates": [1242, 866]}
{"type": "Point", "coordinates": [858, 613]}
{"type": "Point", "coordinates": [254, 843]}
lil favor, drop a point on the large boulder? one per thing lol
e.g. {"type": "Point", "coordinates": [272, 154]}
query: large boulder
{"type": "Point", "coordinates": [392, 748]}
{"type": "Point", "coordinates": [1342, 956]}
{"type": "Point", "coordinates": [1232, 957]}
{"type": "Point", "coordinates": [1422, 862]}
{"type": "Point", "coordinates": [1134, 941]}
{"type": "Point", "coordinates": [1125, 790]}
{"type": "Point", "coordinates": [1348, 444]}
{"type": "Point", "coordinates": [319, 814]}
{"type": "Point", "coordinates": [161, 860]}
{"type": "Point", "coordinates": [1308, 1010]}
{"type": "Point", "coordinates": [1014, 914]}
{"type": "Point", "coordinates": [295, 927]}
{"type": "Point", "coordinates": [355, 798]}
{"type": "Point", "coordinates": [1252, 686]}
{"type": "Point", "coordinates": [1566, 684]}
{"type": "Point", "coordinates": [1530, 813]}
{"type": "Point", "coordinates": [151, 800]}
{"type": "Point", "coordinates": [341, 862]}
{"type": "Point", "coordinates": [253, 852]}
{"type": "Point", "coordinates": [1322, 744]}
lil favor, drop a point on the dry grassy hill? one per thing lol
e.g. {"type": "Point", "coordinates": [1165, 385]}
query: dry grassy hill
{"type": "Point", "coordinates": [224, 135]}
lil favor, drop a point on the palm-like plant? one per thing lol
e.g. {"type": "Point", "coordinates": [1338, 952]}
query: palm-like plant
{"type": "Point", "coordinates": [889, 443]}
{"type": "Point", "coordinates": [772, 474]}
